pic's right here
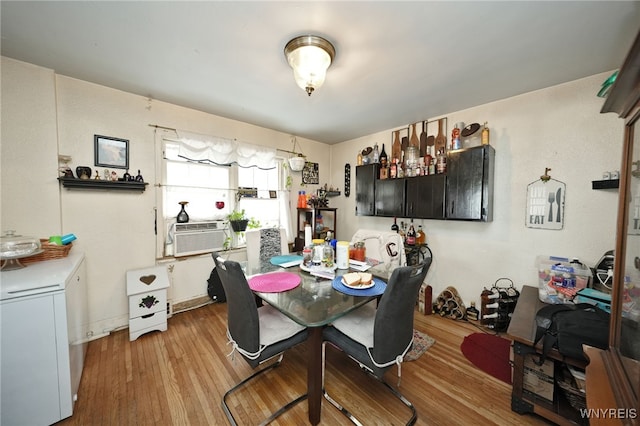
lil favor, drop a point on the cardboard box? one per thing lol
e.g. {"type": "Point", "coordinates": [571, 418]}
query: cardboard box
{"type": "Point", "coordinates": [538, 379]}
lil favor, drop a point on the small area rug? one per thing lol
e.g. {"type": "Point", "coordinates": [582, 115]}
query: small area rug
{"type": "Point", "coordinates": [489, 353]}
{"type": "Point", "coordinates": [421, 342]}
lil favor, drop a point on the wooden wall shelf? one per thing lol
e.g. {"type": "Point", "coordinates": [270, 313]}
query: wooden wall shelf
{"type": "Point", "coordinates": [605, 184]}
{"type": "Point", "coordinates": [73, 183]}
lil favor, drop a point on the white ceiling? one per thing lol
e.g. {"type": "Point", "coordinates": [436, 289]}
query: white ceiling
{"type": "Point", "coordinates": [396, 62]}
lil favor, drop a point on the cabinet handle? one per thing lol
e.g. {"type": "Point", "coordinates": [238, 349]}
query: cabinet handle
{"type": "Point", "coordinates": [452, 206]}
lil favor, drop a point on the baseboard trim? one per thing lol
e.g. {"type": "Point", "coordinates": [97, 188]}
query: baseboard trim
{"type": "Point", "coordinates": [187, 305]}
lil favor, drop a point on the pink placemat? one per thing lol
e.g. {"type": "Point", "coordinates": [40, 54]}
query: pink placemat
{"type": "Point", "coordinates": [274, 282]}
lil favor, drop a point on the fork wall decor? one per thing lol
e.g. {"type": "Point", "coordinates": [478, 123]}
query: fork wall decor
{"type": "Point", "coordinates": [545, 203]}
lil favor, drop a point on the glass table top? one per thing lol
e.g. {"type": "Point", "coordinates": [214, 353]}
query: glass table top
{"type": "Point", "coordinates": [314, 302]}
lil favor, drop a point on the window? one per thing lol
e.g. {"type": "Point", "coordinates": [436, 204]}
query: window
{"type": "Point", "coordinates": [265, 207]}
{"type": "Point", "coordinates": [211, 191]}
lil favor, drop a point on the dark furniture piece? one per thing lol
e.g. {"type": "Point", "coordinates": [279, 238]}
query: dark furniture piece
{"type": "Point", "coordinates": [464, 192]}
{"type": "Point", "coordinates": [310, 216]}
{"type": "Point", "coordinates": [392, 330]}
{"type": "Point", "coordinates": [390, 197]}
{"type": "Point", "coordinates": [522, 329]}
{"type": "Point", "coordinates": [313, 304]}
{"type": "Point", "coordinates": [244, 320]}
{"type": "Point", "coordinates": [613, 375]}
{"type": "Point", "coordinates": [469, 193]}
{"type": "Point", "coordinates": [366, 178]}
{"type": "Point", "coordinates": [425, 197]}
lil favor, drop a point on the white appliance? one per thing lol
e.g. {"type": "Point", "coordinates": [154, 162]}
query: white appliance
{"type": "Point", "coordinates": [199, 237]}
{"type": "Point", "coordinates": [43, 332]}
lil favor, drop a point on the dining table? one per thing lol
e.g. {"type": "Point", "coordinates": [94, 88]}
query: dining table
{"type": "Point", "coordinates": [314, 303]}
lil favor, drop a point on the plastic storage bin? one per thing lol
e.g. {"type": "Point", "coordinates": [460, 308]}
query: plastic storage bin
{"type": "Point", "coordinates": [559, 278]}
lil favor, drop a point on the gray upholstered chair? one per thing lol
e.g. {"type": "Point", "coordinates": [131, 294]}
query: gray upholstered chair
{"type": "Point", "coordinates": [379, 338]}
{"type": "Point", "coordinates": [258, 334]}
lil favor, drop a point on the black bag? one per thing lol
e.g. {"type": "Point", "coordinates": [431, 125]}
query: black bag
{"type": "Point", "coordinates": [567, 327]}
{"type": "Point", "coordinates": [214, 288]}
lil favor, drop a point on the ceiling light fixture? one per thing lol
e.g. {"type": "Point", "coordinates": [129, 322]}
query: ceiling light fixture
{"type": "Point", "coordinates": [309, 56]}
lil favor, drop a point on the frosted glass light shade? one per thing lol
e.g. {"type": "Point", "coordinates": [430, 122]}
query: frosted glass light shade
{"type": "Point", "coordinates": [309, 56]}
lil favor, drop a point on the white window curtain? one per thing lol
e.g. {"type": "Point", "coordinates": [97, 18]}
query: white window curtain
{"type": "Point", "coordinates": [223, 151]}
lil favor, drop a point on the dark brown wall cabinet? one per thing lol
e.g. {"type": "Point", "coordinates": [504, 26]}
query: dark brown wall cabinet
{"type": "Point", "coordinates": [390, 197]}
{"type": "Point", "coordinates": [366, 177]}
{"type": "Point", "coordinates": [425, 197]}
{"type": "Point", "coordinates": [469, 193]}
{"type": "Point", "coordinates": [465, 192]}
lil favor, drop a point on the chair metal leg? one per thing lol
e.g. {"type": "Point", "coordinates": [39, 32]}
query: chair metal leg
{"type": "Point", "coordinates": [354, 420]}
{"type": "Point", "coordinates": [274, 415]}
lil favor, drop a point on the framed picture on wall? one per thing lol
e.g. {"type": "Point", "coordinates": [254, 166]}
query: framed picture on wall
{"type": "Point", "coordinates": [310, 173]}
{"type": "Point", "coordinates": [111, 152]}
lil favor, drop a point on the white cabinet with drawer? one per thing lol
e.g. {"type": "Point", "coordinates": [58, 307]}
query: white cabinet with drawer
{"type": "Point", "coordinates": [147, 291]}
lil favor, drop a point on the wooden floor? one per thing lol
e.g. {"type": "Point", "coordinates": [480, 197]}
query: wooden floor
{"type": "Point", "coordinates": [178, 377]}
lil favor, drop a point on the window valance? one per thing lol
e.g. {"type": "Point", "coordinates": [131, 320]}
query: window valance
{"type": "Point", "coordinates": [224, 151]}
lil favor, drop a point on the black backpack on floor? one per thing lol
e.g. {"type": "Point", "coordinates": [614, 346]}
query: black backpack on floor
{"type": "Point", "coordinates": [214, 288]}
{"type": "Point", "coordinates": [567, 327]}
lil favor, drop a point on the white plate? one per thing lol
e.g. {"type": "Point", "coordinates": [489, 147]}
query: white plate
{"type": "Point", "coordinates": [359, 287]}
{"type": "Point", "coordinates": [318, 268]}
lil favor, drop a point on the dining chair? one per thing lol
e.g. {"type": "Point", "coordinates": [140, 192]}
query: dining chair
{"type": "Point", "coordinates": [257, 333]}
{"type": "Point", "coordinates": [378, 338]}
{"type": "Point", "coordinates": [385, 246]}
{"type": "Point", "coordinates": [265, 243]}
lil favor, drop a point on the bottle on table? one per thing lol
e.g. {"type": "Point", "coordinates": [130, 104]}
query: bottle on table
{"type": "Point", "coordinates": [411, 236]}
{"type": "Point", "coordinates": [395, 227]}
{"type": "Point", "coordinates": [421, 238]}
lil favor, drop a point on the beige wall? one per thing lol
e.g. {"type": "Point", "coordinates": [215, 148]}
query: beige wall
{"type": "Point", "coordinates": [44, 114]}
{"type": "Point", "coordinates": [559, 127]}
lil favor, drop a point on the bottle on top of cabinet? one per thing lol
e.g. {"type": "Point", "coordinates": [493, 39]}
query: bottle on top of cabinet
{"type": "Point", "coordinates": [485, 134]}
{"type": "Point", "coordinates": [441, 162]}
{"type": "Point", "coordinates": [455, 137]}
{"type": "Point", "coordinates": [384, 160]}
{"type": "Point", "coordinates": [376, 154]}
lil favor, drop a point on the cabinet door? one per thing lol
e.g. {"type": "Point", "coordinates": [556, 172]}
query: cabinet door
{"type": "Point", "coordinates": [77, 329]}
{"type": "Point", "coordinates": [469, 194]}
{"type": "Point", "coordinates": [390, 197]}
{"type": "Point", "coordinates": [425, 197]}
{"type": "Point", "coordinates": [365, 189]}
{"type": "Point", "coordinates": [30, 393]}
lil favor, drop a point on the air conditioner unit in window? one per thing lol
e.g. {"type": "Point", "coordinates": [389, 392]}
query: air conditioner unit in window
{"type": "Point", "coordinates": [199, 237]}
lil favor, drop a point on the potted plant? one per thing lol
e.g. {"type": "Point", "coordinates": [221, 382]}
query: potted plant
{"type": "Point", "coordinates": [238, 220]}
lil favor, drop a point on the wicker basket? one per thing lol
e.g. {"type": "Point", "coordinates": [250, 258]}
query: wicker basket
{"type": "Point", "coordinates": [51, 252]}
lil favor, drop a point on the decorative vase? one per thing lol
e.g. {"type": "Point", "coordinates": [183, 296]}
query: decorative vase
{"type": "Point", "coordinates": [183, 217]}
{"type": "Point", "coordinates": [239, 225]}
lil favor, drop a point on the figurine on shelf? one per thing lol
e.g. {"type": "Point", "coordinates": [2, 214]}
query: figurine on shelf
{"type": "Point", "coordinates": [139, 177]}
{"type": "Point", "coordinates": [126, 177]}
{"type": "Point", "coordinates": [107, 174]}
{"type": "Point", "coordinates": [97, 176]}
{"type": "Point", "coordinates": [114, 176]}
